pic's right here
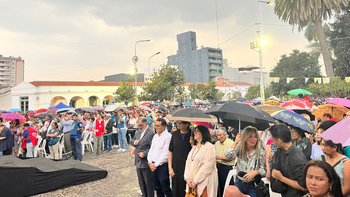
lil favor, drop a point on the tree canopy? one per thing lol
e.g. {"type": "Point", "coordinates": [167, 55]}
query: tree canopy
{"type": "Point", "coordinates": [203, 92]}
{"type": "Point", "coordinates": [165, 83]}
{"type": "Point", "coordinates": [336, 88]}
{"type": "Point", "coordinates": [125, 93]}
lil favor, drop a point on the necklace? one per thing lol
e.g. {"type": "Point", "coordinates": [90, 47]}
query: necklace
{"type": "Point", "coordinates": [193, 156]}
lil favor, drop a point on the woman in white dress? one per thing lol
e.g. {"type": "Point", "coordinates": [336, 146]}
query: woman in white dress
{"type": "Point", "coordinates": [200, 170]}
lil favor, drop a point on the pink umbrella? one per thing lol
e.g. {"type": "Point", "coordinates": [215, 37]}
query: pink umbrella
{"type": "Point", "coordinates": [13, 116]}
{"type": "Point", "coordinates": [145, 107]}
{"type": "Point", "coordinates": [339, 133]}
{"type": "Point", "coordinates": [340, 101]}
{"type": "Point", "coordinates": [206, 124]}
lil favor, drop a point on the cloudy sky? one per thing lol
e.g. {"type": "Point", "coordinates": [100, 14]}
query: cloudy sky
{"type": "Point", "coordinates": [89, 39]}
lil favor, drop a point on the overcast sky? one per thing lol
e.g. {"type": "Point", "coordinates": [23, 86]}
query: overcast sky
{"type": "Point", "coordinates": [89, 39]}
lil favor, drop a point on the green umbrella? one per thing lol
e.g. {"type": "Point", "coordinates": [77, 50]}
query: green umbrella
{"type": "Point", "coordinates": [296, 92]}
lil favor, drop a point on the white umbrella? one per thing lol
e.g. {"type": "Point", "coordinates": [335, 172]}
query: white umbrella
{"type": "Point", "coordinates": [111, 107]}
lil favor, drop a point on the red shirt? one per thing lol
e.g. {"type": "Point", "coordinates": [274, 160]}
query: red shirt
{"type": "Point", "coordinates": [306, 97]}
{"type": "Point", "coordinates": [100, 127]}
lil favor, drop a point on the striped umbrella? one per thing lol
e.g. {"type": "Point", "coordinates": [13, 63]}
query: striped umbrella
{"type": "Point", "coordinates": [13, 116]}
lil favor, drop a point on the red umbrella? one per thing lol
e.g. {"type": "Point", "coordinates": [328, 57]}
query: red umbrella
{"type": "Point", "coordinates": [41, 111]}
{"type": "Point", "coordinates": [298, 104]}
{"type": "Point", "coordinates": [51, 111]}
{"type": "Point", "coordinates": [30, 113]}
{"type": "Point", "coordinates": [147, 103]}
{"type": "Point", "coordinates": [13, 116]}
{"type": "Point", "coordinates": [249, 102]}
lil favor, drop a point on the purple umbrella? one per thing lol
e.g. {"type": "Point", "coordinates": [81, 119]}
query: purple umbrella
{"type": "Point", "coordinates": [339, 133]}
{"type": "Point", "coordinates": [340, 101]}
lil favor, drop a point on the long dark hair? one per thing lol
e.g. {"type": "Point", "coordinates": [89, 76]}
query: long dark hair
{"type": "Point", "coordinates": [336, 190]}
{"type": "Point", "coordinates": [331, 144]}
{"type": "Point", "coordinates": [205, 134]}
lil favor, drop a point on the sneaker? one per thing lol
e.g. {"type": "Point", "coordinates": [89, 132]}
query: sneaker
{"type": "Point", "coordinates": [139, 192]}
{"type": "Point", "coordinates": [123, 150]}
{"type": "Point", "coordinates": [93, 156]}
{"type": "Point", "coordinates": [120, 150]}
{"type": "Point", "coordinates": [116, 146]}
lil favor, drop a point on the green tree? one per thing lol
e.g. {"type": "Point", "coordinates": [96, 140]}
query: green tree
{"type": "Point", "coordinates": [164, 84]}
{"type": "Point", "coordinates": [254, 92]}
{"type": "Point", "coordinates": [340, 42]}
{"type": "Point", "coordinates": [311, 35]}
{"type": "Point", "coordinates": [336, 88]}
{"type": "Point", "coordinates": [212, 93]}
{"type": "Point", "coordinates": [193, 91]}
{"type": "Point", "coordinates": [125, 92]}
{"type": "Point", "coordinates": [300, 12]}
{"type": "Point", "coordinates": [298, 65]}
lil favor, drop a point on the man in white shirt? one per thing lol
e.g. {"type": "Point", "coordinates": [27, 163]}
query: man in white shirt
{"type": "Point", "coordinates": [158, 159]}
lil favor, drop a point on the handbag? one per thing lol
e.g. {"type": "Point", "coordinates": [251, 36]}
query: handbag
{"type": "Point", "coordinates": [262, 189]}
{"type": "Point", "coordinates": [276, 185]}
{"type": "Point", "coordinates": [192, 192]}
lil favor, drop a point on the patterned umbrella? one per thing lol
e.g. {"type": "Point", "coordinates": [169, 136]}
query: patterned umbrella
{"type": "Point", "coordinates": [298, 104]}
{"type": "Point", "coordinates": [13, 116]}
{"type": "Point", "coordinates": [295, 120]}
{"type": "Point", "coordinates": [145, 107]}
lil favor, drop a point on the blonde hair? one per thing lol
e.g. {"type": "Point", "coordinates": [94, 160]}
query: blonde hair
{"type": "Point", "coordinates": [245, 136]}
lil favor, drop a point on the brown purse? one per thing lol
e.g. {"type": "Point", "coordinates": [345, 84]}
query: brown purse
{"type": "Point", "coordinates": [192, 192]}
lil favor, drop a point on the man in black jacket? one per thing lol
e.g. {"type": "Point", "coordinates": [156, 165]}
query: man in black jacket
{"type": "Point", "coordinates": [108, 133]}
{"type": "Point", "coordinates": [142, 142]}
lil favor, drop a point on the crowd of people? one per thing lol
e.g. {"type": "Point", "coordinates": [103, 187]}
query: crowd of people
{"type": "Point", "coordinates": [174, 158]}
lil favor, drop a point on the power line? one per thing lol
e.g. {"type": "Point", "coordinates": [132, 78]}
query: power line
{"type": "Point", "coordinates": [236, 34]}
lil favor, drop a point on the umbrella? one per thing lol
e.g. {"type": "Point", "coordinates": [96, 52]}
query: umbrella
{"type": "Point", "coordinates": [340, 101]}
{"type": "Point", "coordinates": [298, 104]}
{"type": "Point", "coordinates": [30, 113]}
{"type": "Point", "coordinates": [43, 115]}
{"type": "Point", "coordinates": [88, 109]}
{"type": "Point", "coordinates": [111, 107]}
{"type": "Point", "coordinates": [156, 104]}
{"type": "Point", "coordinates": [98, 108]}
{"type": "Point", "coordinates": [174, 103]}
{"type": "Point", "coordinates": [240, 115]}
{"type": "Point", "coordinates": [14, 110]}
{"type": "Point", "coordinates": [60, 106]}
{"type": "Point", "coordinates": [241, 99]}
{"type": "Point", "coordinates": [305, 111]}
{"type": "Point", "coordinates": [296, 92]}
{"type": "Point", "coordinates": [295, 120]}
{"type": "Point", "coordinates": [206, 124]}
{"type": "Point", "coordinates": [270, 108]}
{"type": "Point", "coordinates": [123, 106]}
{"type": "Point", "coordinates": [188, 104]}
{"type": "Point", "coordinates": [166, 102]}
{"type": "Point", "coordinates": [200, 103]}
{"type": "Point", "coordinates": [146, 103]}
{"type": "Point", "coordinates": [145, 107]}
{"type": "Point", "coordinates": [339, 133]}
{"type": "Point", "coordinates": [274, 98]}
{"type": "Point", "coordinates": [272, 102]}
{"type": "Point", "coordinates": [249, 102]}
{"type": "Point", "coordinates": [52, 111]}
{"type": "Point", "coordinates": [13, 116]}
{"type": "Point", "coordinates": [191, 114]}
{"type": "Point", "coordinates": [63, 110]}
{"type": "Point", "coordinates": [337, 111]}
{"type": "Point", "coordinates": [40, 111]}
{"type": "Point", "coordinates": [219, 102]}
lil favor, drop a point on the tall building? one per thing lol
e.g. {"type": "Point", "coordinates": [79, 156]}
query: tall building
{"type": "Point", "coordinates": [11, 71]}
{"type": "Point", "coordinates": [197, 65]}
{"type": "Point", "coordinates": [252, 77]}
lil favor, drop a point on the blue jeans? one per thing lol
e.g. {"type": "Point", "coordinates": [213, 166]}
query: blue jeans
{"type": "Point", "coordinates": [248, 190]}
{"type": "Point", "coordinates": [30, 150]}
{"type": "Point", "coordinates": [107, 138]}
{"type": "Point", "coordinates": [122, 137]}
{"type": "Point", "coordinates": [76, 148]}
{"type": "Point", "coordinates": [1, 153]}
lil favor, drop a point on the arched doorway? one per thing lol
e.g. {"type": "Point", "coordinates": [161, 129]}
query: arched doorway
{"type": "Point", "coordinates": [93, 101]}
{"type": "Point", "coordinates": [107, 100]}
{"type": "Point", "coordinates": [57, 99]}
{"type": "Point", "coordinates": [76, 102]}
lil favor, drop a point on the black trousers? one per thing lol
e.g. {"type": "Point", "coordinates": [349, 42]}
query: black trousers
{"type": "Point", "coordinates": [161, 181]}
{"type": "Point", "coordinates": [145, 181]}
{"type": "Point", "coordinates": [7, 152]}
{"type": "Point", "coordinates": [223, 171]}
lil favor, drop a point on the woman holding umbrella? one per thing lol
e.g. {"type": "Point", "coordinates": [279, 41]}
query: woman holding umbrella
{"type": "Point", "coordinates": [301, 141]}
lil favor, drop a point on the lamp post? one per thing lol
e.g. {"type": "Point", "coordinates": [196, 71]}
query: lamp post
{"type": "Point", "coordinates": [149, 68]}
{"type": "Point", "coordinates": [135, 59]}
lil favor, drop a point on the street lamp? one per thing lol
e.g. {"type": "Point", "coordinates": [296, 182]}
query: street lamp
{"type": "Point", "coordinates": [267, 2]}
{"type": "Point", "coordinates": [149, 68]}
{"type": "Point", "coordinates": [135, 59]}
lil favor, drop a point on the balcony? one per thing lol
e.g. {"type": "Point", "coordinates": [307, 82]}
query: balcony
{"type": "Point", "coordinates": [215, 61]}
{"type": "Point", "coordinates": [5, 68]}
{"type": "Point", "coordinates": [212, 67]}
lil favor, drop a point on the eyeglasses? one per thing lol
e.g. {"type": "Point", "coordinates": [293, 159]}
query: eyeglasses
{"type": "Point", "coordinates": [158, 125]}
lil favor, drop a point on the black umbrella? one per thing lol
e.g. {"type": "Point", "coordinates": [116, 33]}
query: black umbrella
{"type": "Point", "coordinates": [241, 99]}
{"type": "Point", "coordinates": [240, 115]}
{"type": "Point", "coordinates": [191, 115]}
{"type": "Point", "coordinates": [43, 115]}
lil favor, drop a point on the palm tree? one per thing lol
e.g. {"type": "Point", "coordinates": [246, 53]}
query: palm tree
{"type": "Point", "coordinates": [311, 35]}
{"type": "Point", "coordinates": [300, 12]}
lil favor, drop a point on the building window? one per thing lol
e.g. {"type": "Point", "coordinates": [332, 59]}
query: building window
{"type": "Point", "coordinates": [24, 102]}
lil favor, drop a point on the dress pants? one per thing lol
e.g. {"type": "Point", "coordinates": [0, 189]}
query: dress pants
{"type": "Point", "coordinates": [76, 148]}
{"type": "Point", "coordinates": [145, 181]}
{"type": "Point", "coordinates": [223, 171]}
{"type": "Point", "coordinates": [54, 151]}
{"type": "Point", "coordinates": [67, 145]}
{"type": "Point", "coordinates": [98, 145]}
{"type": "Point", "coordinates": [161, 181]}
{"type": "Point", "coordinates": [115, 139]}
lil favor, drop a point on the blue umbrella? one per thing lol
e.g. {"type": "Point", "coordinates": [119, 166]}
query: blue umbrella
{"type": "Point", "coordinates": [14, 110]}
{"type": "Point", "coordinates": [294, 119]}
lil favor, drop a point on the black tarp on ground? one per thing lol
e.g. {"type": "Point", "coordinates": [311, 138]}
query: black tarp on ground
{"type": "Point", "coordinates": [25, 177]}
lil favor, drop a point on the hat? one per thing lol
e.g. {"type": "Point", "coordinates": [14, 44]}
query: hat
{"type": "Point", "coordinates": [108, 114]}
{"type": "Point", "coordinates": [50, 116]}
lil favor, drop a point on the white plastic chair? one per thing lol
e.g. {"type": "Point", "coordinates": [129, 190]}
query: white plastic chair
{"type": "Point", "coordinates": [40, 148]}
{"type": "Point", "coordinates": [86, 142]}
{"type": "Point", "coordinates": [61, 145]}
{"type": "Point", "coordinates": [231, 174]}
